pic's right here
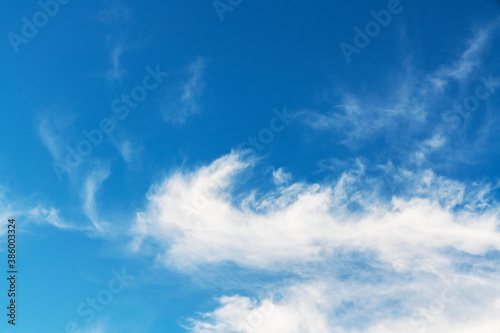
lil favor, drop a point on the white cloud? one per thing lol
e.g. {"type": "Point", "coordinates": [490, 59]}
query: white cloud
{"type": "Point", "coordinates": [300, 312]}
{"type": "Point", "coordinates": [406, 245]}
{"type": "Point", "coordinates": [281, 177]}
{"type": "Point", "coordinates": [183, 102]}
{"type": "Point", "coordinates": [358, 120]}
{"type": "Point", "coordinates": [468, 61]}
{"type": "Point", "coordinates": [31, 213]}
{"type": "Point", "coordinates": [128, 149]}
{"type": "Point", "coordinates": [198, 225]}
{"type": "Point", "coordinates": [91, 186]}
{"type": "Point", "coordinates": [485, 319]}
{"type": "Point", "coordinates": [115, 12]}
{"type": "Point", "coordinates": [52, 126]}
{"type": "Point", "coordinates": [411, 231]}
{"type": "Point", "coordinates": [48, 139]}
{"type": "Point", "coordinates": [419, 304]}
{"type": "Point", "coordinates": [404, 106]}
{"type": "Point", "coordinates": [116, 72]}
{"type": "Point", "coordinates": [50, 216]}
{"type": "Point", "coordinates": [100, 327]}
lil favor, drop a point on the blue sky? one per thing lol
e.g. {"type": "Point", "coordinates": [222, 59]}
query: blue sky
{"type": "Point", "coordinates": [252, 166]}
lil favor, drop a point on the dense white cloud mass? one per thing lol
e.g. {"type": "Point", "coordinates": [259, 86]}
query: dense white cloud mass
{"type": "Point", "coordinates": [437, 241]}
{"type": "Point", "coordinates": [300, 312]}
{"type": "Point", "coordinates": [316, 308]}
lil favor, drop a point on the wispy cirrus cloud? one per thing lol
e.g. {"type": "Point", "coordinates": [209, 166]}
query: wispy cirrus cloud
{"type": "Point", "coordinates": [182, 101]}
{"type": "Point", "coordinates": [405, 105]}
{"type": "Point", "coordinates": [50, 216]}
{"type": "Point", "coordinates": [34, 213]}
{"type": "Point", "coordinates": [90, 188]}
{"type": "Point", "coordinates": [280, 177]}
{"type": "Point", "coordinates": [52, 128]}
{"type": "Point", "coordinates": [116, 73]}
{"type": "Point", "coordinates": [114, 12]}
{"type": "Point", "coordinates": [114, 15]}
{"type": "Point", "coordinates": [469, 60]}
{"type": "Point", "coordinates": [357, 120]}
